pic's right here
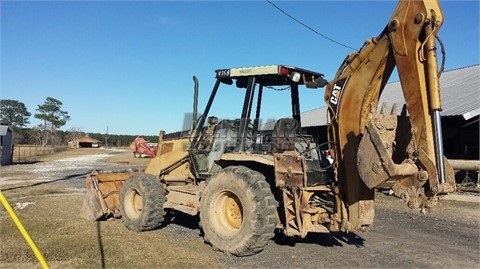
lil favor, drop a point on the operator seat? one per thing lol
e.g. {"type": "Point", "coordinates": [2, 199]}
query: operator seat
{"type": "Point", "coordinates": [284, 135]}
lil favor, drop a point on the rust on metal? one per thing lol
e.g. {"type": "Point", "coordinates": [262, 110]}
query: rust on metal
{"type": "Point", "coordinates": [166, 147]}
{"type": "Point", "coordinates": [374, 160]}
{"type": "Point", "coordinates": [184, 198]}
{"type": "Point", "coordinates": [289, 169]}
{"type": "Point", "coordinates": [292, 225]}
{"type": "Point", "coordinates": [108, 185]}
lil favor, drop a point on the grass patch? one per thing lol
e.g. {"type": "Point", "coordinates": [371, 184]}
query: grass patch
{"type": "Point", "coordinates": [69, 241]}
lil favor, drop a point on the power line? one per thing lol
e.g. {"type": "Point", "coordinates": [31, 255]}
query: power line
{"type": "Point", "coordinates": [308, 27]}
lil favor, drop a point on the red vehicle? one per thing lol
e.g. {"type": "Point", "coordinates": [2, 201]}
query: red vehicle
{"type": "Point", "coordinates": [142, 148]}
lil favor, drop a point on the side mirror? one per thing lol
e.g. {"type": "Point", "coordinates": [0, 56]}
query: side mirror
{"type": "Point", "coordinates": [317, 83]}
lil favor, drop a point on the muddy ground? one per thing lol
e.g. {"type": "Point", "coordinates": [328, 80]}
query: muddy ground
{"type": "Point", "coordinates": [47, 196]}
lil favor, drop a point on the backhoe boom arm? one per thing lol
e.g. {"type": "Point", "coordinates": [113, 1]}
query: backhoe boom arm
{"type": "Point", "coordinates": [378, 149]}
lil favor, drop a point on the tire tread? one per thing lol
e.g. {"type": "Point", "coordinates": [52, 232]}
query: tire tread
{"type": "Point", "coordinates": [266, 215]}
{"type": "Point", "coordinates": [153, 213]}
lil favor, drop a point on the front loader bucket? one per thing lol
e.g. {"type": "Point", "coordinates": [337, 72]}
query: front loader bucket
{"type": "Point", "coordinates": [92, 207]}
{"type": "Point", "coordinates": [102, 199]}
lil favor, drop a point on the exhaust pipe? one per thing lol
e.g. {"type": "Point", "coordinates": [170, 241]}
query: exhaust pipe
{"type": "Point", "coordinates": [195, 102]}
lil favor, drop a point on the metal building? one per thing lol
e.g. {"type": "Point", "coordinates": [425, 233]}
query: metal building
{"type": "Point", "coordinates": [6, 145]}
{"type": "Point", "coordinates": [460, 89]}
{"type": "Point", "coordinates": [84, 142]}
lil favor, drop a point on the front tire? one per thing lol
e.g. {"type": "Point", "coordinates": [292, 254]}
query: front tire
{"type": "Point", "coordinates": [141, 202]}
{"type": "Point", "coordinates": [238, 213]}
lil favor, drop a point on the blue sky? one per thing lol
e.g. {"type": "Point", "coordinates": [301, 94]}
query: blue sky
{"type": "Point", "coordinates": [129, 65]}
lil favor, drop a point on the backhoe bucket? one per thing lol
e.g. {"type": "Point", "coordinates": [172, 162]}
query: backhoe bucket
{"type": "Point", "coordinates": [102, 199]}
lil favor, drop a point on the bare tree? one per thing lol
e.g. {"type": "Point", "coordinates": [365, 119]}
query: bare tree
{"type": "Point", "coordinates": [40, 134]}
{"type": "Point", "coordinates": [75, 133]}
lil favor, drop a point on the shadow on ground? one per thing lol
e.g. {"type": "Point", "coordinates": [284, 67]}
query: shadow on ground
{"type": "Point", "coordinates": [322, 239]}
{"type": "Point", "coordinates": [46, 182]}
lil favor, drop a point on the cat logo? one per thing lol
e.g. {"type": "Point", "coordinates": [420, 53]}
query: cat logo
{"type": "Point", "coordinates": [336, 92]}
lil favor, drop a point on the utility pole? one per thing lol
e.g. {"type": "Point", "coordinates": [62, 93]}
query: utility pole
{"type": "Point", "coordinates": [106, 138]}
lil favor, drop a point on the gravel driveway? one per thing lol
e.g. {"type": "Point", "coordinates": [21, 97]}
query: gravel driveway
{"type": "Point", "coordinates": [69, 171]}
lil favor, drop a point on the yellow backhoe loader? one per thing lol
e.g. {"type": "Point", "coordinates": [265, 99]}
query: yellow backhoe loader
{"type": "Point", "coordinates": [246, 180]}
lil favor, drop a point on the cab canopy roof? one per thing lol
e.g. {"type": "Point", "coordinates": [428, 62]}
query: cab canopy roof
{"type": "Point", "coordinates": [270, 75]}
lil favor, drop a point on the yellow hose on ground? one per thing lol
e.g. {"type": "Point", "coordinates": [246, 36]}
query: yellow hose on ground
{"type": "Point", "coordinates": [24, 232]}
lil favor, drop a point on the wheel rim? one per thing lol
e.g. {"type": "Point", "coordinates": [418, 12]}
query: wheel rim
{"type": "Point", "coordinates": [227, 213]}
{"type": "Point", "coordinates": [233, 212]}
{"type": "Point", "coordinates": [133, 203]}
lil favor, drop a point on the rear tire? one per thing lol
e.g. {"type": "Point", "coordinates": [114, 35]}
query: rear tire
{"type": "Point", "coordinates": [238, 213]}
{"type": "Point", "coordinates": [141, 202]}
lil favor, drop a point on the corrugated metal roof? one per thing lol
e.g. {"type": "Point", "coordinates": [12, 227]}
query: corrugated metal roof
{"type": "Point", "coordinates": [314, 117]}
{"type": "Point", "coordinates": [85, 139]}
{"type": "Point", "coordinates": [460, 92]}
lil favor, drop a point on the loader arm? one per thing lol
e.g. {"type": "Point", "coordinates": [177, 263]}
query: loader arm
{"type": "Point", "coordinates": [370, 148]}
